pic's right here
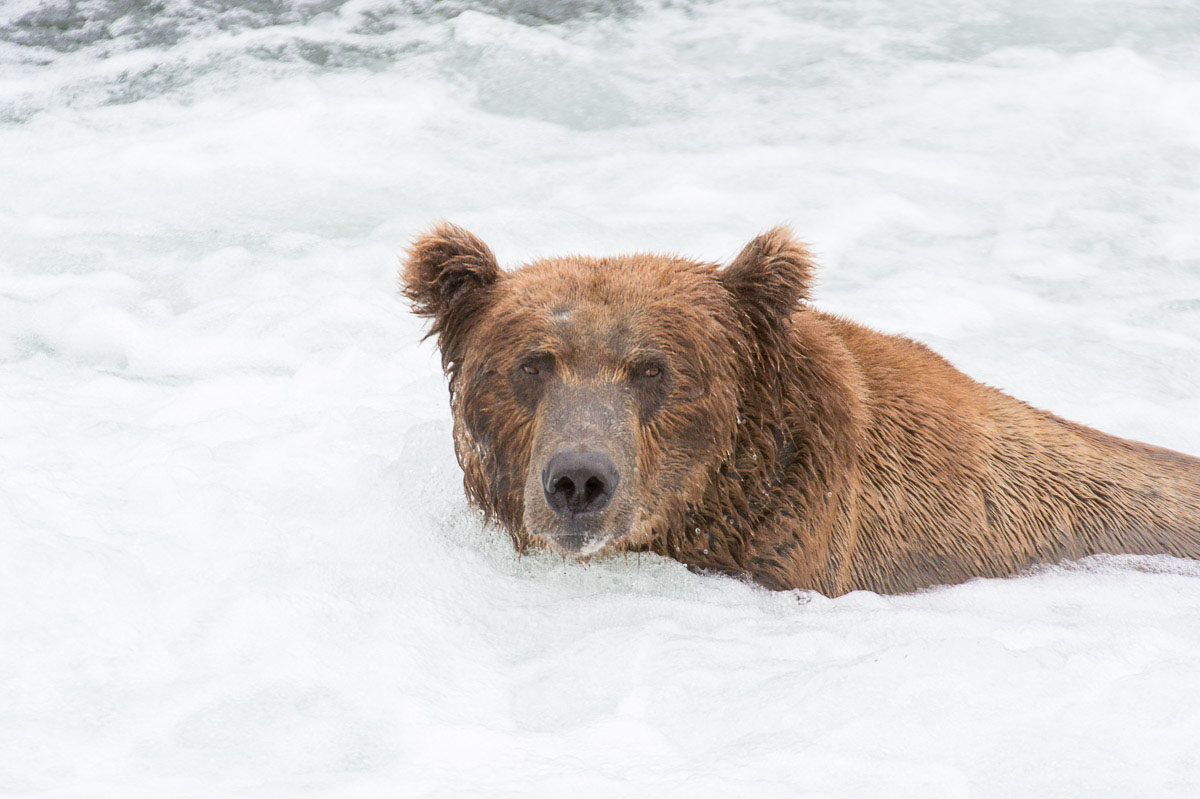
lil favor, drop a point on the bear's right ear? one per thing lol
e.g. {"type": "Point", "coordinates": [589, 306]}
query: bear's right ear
{"type": "Point", "coordinates": [448, 277]}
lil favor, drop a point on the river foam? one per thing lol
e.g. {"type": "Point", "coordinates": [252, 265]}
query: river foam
{"type": "Point", "coordinates": [235, 557]}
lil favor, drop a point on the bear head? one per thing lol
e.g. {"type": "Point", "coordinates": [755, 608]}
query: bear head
{"type": "Point", "coordinates": [595, 400]}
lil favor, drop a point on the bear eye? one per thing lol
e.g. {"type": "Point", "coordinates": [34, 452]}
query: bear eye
{"type": "Point", "coordinates": [536, 363]}
{"type": "Point", "coordinates": [649, 370]}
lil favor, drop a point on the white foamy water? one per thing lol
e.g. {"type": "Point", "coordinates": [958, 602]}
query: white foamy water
{"type": "Point", "coordinates": [235, 558]}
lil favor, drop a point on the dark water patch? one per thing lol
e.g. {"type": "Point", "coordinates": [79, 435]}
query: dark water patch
{"type": "Point", "coordinates": [545, 12]}
{"type": "Point", "coordinates": [337, 55]}
{"type": "Point", "coordinates": [163, 47]}
{"type": "Point", "coordinates": [69, 25]}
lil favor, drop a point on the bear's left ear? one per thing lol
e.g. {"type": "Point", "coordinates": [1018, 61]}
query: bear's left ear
{"type": "Point", "coordinates": [448, 277]}
{"type": "Point", "coordinates": [770, 276]}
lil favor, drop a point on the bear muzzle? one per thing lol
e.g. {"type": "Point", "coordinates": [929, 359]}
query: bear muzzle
{"type": "Point", "coordinates": [581, 486]}
{"type": "Point", "coordinates": [578, 487]}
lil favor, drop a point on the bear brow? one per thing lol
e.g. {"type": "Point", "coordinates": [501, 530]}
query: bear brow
{"type": "Point", "coordinates": [539, 349]}
{"type": "Point", "coordinates": [644, 353]}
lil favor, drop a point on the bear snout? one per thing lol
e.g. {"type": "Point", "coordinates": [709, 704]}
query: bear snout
{"type": "Point", "coordinates": [579, 484]}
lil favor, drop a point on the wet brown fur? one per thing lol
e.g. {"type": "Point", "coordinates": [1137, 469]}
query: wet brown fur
{"type": "Point", "coordinates": [790, 446]}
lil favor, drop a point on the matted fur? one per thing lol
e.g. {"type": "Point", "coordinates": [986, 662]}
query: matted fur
{"type": "Point", "coordinates": [785, 444]}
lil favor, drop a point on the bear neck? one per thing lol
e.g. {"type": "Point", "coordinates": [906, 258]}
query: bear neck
{"type": "Point", "coordinates": [793, 467]}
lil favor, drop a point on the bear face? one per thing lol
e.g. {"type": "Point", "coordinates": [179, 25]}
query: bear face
{"type": "Point", "coordinates": [596, 399]}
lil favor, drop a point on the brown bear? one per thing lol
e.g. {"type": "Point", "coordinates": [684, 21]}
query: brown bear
{"type": "Point", "coordinates": [656, 403]}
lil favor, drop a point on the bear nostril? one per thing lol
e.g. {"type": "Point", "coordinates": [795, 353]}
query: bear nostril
{"type": "Point", "coordinates": [577, 483]}
{"type": "Point", "coordinates": [565, 487]}
{"type": "Point", "coordinates": [592, 489]}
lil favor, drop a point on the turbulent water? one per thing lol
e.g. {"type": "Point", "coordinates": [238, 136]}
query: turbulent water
{"type": "Point", "coordinates": [234, 554]}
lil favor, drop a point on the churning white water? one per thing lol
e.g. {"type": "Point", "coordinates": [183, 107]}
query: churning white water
{"type": "Point", "coordinates": [235, 559]}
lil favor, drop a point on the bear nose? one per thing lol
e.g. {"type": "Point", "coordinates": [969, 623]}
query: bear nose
{"type": "Point", "coordinates": [578, 483]}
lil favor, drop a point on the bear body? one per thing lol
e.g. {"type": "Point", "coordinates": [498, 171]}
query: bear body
{"type": "Point", "coordinates": [654, 403]}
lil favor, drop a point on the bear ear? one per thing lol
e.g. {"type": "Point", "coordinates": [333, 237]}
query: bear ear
{"type": "Point", "coordinates": [770, 276]}
{"type": "Point", "coordinates": [447, 277]}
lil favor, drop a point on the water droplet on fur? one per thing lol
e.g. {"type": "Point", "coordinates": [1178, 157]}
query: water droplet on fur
{"type": "Point", "coordinates": [697, 531]}
{"type": "Point", "coordinates": [739, 420]}
{"type": "Point", "coordinates": [829, 493]}
{"type": "Point", "coordinates": [706, 552]}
